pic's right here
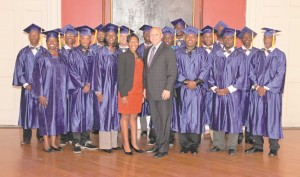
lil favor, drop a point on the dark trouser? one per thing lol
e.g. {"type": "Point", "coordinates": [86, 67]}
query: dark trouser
{"type": "Point", "coordinates": [259, 143]}
{"type": "Point", "coordinates": [143, 121]}
{"type": "Point", "coordinates": [80, 138]}
{"type": "Point", "coordinates": [161, 116]}
{"type": "Point", "coordinates": [189, 139]}
{"type": "Point", "coordinates": [66, 137]}
{"type": "Point", "coordinates": [219, 140]}
{"type": "Point", "coordinates": [152, 135]}
{"type": "Point", "coordinates": [27, 134]}
{"type": "Point", "coordinates": [172, 137]}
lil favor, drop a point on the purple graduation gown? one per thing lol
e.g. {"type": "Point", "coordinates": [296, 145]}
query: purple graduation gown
{"type": "Point", "coordinates": [50, 80]}
{"type": "Point", "coordinates": [145, 106]}
{"type": "Point", "coordinates": [227, 115]}
{"type": "Point", "coordinates": [104, 80]}
{"type": "Point", "coordinates": [23, 74]}
{"type": "Point", "coordinates": [266, 111]}
{"type": "Point", "coordinates": [80, 103]}
{"type": "Point", "coordinates": [191, 103]}
{"type": "Point", "coordinates": [246, 93]}
{"type": "Point", "coordinates": [209, 92]}
{"type": "Point", "coordinates": [95, 48]}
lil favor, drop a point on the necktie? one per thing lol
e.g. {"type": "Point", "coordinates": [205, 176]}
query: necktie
{"type": "Point", "coordinates": [246, 50]}
{"type": "Point", "coordinates": [151, 56]}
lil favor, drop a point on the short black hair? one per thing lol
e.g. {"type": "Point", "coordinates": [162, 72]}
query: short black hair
{"type": "Point", "coordinates": [132, 35]}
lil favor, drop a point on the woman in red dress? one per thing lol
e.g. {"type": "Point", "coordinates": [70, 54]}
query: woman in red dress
{"type": "Point", "coordinates": [130, 92]}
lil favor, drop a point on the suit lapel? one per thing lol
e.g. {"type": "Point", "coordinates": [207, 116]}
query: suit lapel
{"type": "Point", "coordinates": [157, 53]}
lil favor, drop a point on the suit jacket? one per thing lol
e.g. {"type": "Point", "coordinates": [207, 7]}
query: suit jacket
{"type": "Point", "coordinates": [162, 73]}
{"type": "Point", "coordinates": [126, 65]}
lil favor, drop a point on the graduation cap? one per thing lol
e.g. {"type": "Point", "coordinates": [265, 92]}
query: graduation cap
{"type": "Point", "coordinates": [33, 27]}
{"type": "Point", "coordinates": [271, 32]}
{"type": "Point", "coordinates": [192, 30]}
{"type": "Point", "coordinates": [208, 30]}
{"type": "Point", "coordinates": [52, 33]}
{"type": "Point", "coordinates": [56, 33]}
{"type": "Point", "coordinates": [246, 30]}
{"type": "Point", "coordinates": [230, 32]}
{"type": "Point", "coordinates": [145, 28]}
{"type": "Point", "coordinates": [125, 30]}
{"type": "Point", "coordinates": [98, 28]}
{"type": "Point", "coordinates": [85, 30]}
{"type": "Point", "coordinates": [110, 27]}
{"type": "Point", "coordinates": [249, 31]}
{"type": "Point", "coordinates": [69, 29]}
{"type": "Point", "coordinates": [168, 30]}
{"type": "Point", "coordinates": [178, 22]}
{"type": "Point", "coordinates": [219, 24]}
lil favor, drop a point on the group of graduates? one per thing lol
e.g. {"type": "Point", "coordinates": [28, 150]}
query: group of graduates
{"type": "Point", "coordinates": [72, 91]}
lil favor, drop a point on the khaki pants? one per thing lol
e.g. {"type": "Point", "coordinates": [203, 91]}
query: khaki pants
{"type": "Point", "coordinates": [108, 140]}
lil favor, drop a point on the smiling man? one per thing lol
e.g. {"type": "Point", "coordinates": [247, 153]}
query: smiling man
{"type": "Point", "coordinates": [161, 73]}
{"type": "Point", "coordinates": [247, 36]}
{"type": "Point", "coordinates": [193, 71]}
{"type": "Point", "coordinates": [267, 76]}
{"type": "Point", "coordinates": [227, 81]}
{"type": "Point", "coordinates": [23, 77]}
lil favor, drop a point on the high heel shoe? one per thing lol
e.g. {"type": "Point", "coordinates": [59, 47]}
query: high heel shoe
{"type": "Point", "coordinates": [48, 150]}
{"type": "Point", "coordinates": [136, 150]}
{"type": "Point", "coordinates": [56, 149]}
{"type": "Point", "coordinates": [127, 153]}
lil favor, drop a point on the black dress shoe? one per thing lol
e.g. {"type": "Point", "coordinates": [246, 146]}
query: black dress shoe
{"type": "Point", "coordinates": [116, 148]}
{"type": "Point", "coordinates": [56, 149]}
{"type": "Point", "coordinates": [48, 150]}
{"type": "Point", "coordinates": [151, 142]}
{"type": "Point", "coordinates": [253, 150]}
{"type": "Point", "coordinates": [152, 150]}
{"type": "Point", "coordinates": [25, 142]}
{"type": "Point", "coordinates": [144, 133]}
{"type": "Point", "coordinates": [215, 149]}
{"type": "Point", "coordinates": [184, 150]}
{"type": "Point", "coordinates": [40, 140]}
{"type": "Point", "coordinates": [273, 152]}
{"type": "Point", "coordinates": [107, 150]}
{"type": "Point", "coordinates": [194, 150]}
{"type": "Point", "coordinates": [160, 154]}
{"type": "Point", "coordinates": [232, 152]}
{"type": "Point", "coordinates": [250, 141]}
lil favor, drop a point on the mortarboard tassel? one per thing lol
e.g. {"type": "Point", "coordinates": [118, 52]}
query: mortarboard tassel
{"type": "Point", "coordinates": [252, 39]}
{"type": "Point", "coordinates": [234, 38]}
{"type": "Point", "coordinates": [95, 37]}
{"type": "Point", "coordinates": [78, 38]}
{"type": "Point", "coordinates": [118, 34]}
{"type": "Point", "coordinates": [175, 38]}
{"type": "Point", "coordinates": [273, 40]}
{"type": "Point", "coordinates": [41, 38]}
{"type": "Point", "coordinates": [213, 35]}
{"type": "Point", "coordinates": [64, 39]}
{"type": "Point", "coordinates": [59, 41]}
{"type": "Point", "coordinates": [198, 39]}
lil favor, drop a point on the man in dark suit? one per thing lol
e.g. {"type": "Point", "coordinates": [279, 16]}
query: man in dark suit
{"type": "Point", "coordinates": [160, 75]}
